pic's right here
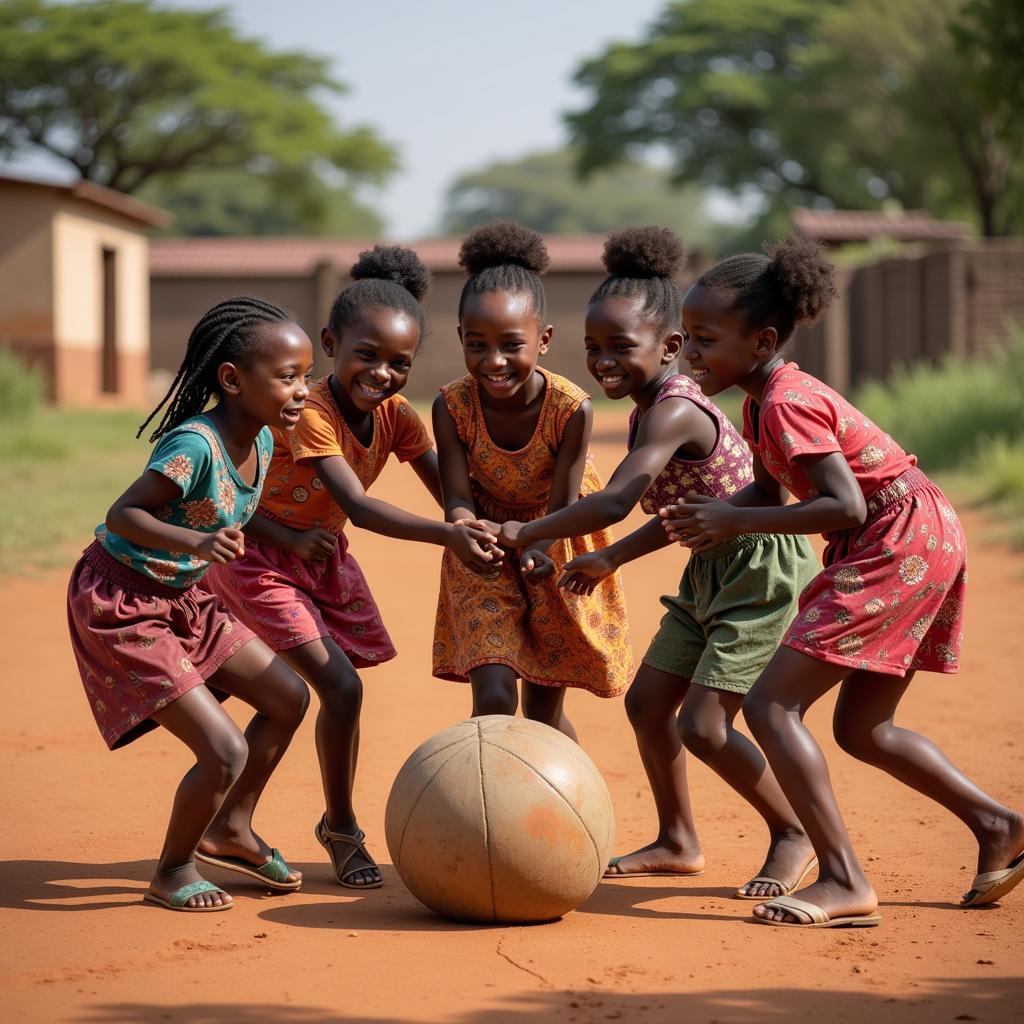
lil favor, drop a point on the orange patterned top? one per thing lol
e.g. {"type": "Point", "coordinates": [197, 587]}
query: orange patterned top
{"type": "Point", "coordinates": [294, 493]}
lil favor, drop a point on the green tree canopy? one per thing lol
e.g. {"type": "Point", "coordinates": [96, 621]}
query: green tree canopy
{"type": "Point", "coordinates": [816, 102]}
{"type": "Point", "coordinates": [543, 191]}
{"type": "Point", "coordinates": [130, 93]}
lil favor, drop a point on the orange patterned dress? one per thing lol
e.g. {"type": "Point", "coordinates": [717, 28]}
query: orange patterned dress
{"type": "Point", "coordinates": [548, 635]}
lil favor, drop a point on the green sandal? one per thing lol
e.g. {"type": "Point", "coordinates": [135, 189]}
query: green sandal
{"type": "Point", "coordinates": [326, 838]}
{"type": "Point", "coordinates": [181, 896]}
{"type": "Point", "coordinates": [274, 873]}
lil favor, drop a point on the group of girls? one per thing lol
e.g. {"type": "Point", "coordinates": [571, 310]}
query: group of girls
{"type": "Point", "coordinates": [225, 570]}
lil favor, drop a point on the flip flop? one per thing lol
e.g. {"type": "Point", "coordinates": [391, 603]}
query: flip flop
{"type": "Point", "coordinates": [810, 915]}
{"type": "Point", "coordinates": [273, 874]}
{"type": "Point", "coordinates": [993, 885]}
{"type": "Point", "coordinates": [180, 897]}
{"type": "Point", "coordinates": [326, 838]}
{"type": "Point", "coordinates": [647, 874]}
{"type": "Point", "coordinates": [786, 889]}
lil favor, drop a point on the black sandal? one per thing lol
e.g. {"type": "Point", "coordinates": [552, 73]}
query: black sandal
{"type": "Point", "coordinates": [326, 838]}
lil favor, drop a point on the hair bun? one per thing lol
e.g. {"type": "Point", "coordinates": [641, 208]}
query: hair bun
{"type": "Point", "coordinates": [644, 252]}
{"type": "Point", "coordinates": [503, 243]}
{"type": "Point", "coordinates": [393, 263]}
{"type": "Point", "coordinates": [806, 278]}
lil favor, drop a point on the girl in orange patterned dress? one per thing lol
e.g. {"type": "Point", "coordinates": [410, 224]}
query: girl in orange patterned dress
{"type": "Point", "coordinates": [512, 444]}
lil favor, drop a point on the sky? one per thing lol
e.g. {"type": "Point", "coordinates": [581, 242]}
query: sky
{"type": "Point", "coordinates": [454, 84]}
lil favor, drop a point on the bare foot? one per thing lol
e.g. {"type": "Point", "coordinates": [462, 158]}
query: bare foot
{"type": "Point", "coordinates": [364, 871]}
{"type": "Point", "coordinates": [1000, 845]}
{"type": "Point", "coordinates": [788, 858]}
{"type": "Point", "coordinates": [657, 857]}
{"type": "Point", "coordinates": [166, 883]}
{"type": "Point", "coordinates": [835, 899]}
{"type": "Point", "coordinates": [223, 841]}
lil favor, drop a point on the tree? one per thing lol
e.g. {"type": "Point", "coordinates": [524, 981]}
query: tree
{"type": "Point", "coordinates": [227, 202]}
{"type": "Point", "coordinates": [812, 102]}
{"type": "Point", "coordinates": [129, 93]}
{"type": "Point", "coordinates": [544, 192]}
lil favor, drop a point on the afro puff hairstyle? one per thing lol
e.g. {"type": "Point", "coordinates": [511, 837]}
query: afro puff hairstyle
{"type": "Point", "coordinates": [504, 256]}
{"type": "Point", "coordinates": [384, 277]}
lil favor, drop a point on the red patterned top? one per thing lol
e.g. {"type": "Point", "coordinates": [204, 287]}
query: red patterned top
{"type": "Point", "coordinates": [725, 471]}
{"type": "Point", "coordinates": [800, 415]}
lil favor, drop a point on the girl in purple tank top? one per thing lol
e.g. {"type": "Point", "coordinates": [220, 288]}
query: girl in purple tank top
{"type": "Point", "coordinates": [735, 601]}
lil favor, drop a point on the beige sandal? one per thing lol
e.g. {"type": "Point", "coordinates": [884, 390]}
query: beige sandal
{"type": "Point", "coordinates": [786, 889]}
{"type": "Point", "coordinates": [326, 838]}
{"type": "Point", "coordinates": [810, 915]}
{"type": "Point", "coordinates": [994, 885]}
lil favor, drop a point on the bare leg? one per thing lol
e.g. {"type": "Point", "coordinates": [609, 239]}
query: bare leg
{"type": "Point", "coordinates": [220, 749]}
{"type": "Point", "coordinates": [257, 676]}
{"type": "Point", "coordinates": [706, 726]}
{"type": "Point", "coordinates": [494, 690]}
{"type": "Point", "coordinates": [329, 672]}
{"type": "Point", "coordinates": [863, 727]}
{"type": "Point", "coordinates": [651, 703]}
{"type": "Point", "coordinates": [775, 709]}
{"type": "Point", "coordinates": [545, 704]}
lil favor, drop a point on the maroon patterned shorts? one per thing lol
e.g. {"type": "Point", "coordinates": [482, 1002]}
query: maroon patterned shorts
{"type": "Point", "coordinates": [289, 602]}
{"type": "Point", "coordinates": [140, 644]}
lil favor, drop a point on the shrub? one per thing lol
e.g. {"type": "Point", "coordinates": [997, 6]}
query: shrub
{"type": "Point", "coordinates": [21, 387]}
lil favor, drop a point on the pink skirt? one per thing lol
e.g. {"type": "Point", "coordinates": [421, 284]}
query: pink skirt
{"type": "Point", "coordinates": [891, 598]}
{"type": "Point", "coordinates": [290, 602]}
{"type": "Point", "coordinates": [140, 644]}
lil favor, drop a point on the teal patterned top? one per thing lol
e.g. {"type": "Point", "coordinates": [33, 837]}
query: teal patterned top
{"type": "Point", "coordinates": [213, 496]}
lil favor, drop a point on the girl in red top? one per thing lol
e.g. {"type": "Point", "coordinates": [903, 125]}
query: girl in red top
{"type": "Point", "coordinates": [890, 600]}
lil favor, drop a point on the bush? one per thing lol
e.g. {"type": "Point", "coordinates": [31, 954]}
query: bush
{"type": "Point", "coordinates": [944, 413]}
{"type": "Point", "coordinates": [21, 387]}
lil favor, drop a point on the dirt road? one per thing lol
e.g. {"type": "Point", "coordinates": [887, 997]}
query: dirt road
{"type": "Point", "coordinates": [81, 829]}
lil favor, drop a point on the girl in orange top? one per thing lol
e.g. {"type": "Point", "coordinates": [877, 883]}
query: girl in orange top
{"type": "Point", "coordinates": [512, 443]}
{"type": "Point", "coordinates": [298, 586]}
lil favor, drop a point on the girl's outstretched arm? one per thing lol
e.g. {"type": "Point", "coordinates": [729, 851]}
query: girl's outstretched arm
{"type": "Point", "coordinates": [372, 514]}
{"type": "Point", "coordinates": [426, 468]}
{"type": "Point", "coordinates": [313, 545]}
{"type": "Point", "coordinates": [131, 517]}
{"type": "Point", "coordinates": [666, 428]}
{"type": "Point", "coordinates": [839, 505]}
{"type": "Point", "coordinates": [583, 573]}
{"type": "Point", "coordinates": [453, 466]}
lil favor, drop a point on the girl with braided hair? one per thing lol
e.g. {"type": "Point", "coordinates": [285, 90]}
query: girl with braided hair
{"type": "Point", "coordinates": [512, 442]}
{"type": "Point", "coordinates": [298, 585]}
{"type": "Point", "coordinates": [735, 600]}
{"type": "Point", "coordinates": [152, 645]}
{"type": "Point", "coordinates": [890, 601]}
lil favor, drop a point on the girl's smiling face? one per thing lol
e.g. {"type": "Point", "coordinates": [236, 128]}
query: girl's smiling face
{"type": "Point", "coordinates": [720, 349]}
{"type": "Point", "coordinates": [273, 385]}
{"type": "Point", "coordinates": [625, 351]}
{"type": "Point", "coordinates": [502, 340]}
{"type": "Point", "coordinates": [372, 357]}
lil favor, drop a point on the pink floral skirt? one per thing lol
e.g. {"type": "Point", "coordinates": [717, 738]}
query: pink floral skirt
{"type": "Point", "coordinates": [289, 601]}
{"type": "Point", "coordinates": [140, 644]}
{"type": "Point", "coordinates": [891, 598]}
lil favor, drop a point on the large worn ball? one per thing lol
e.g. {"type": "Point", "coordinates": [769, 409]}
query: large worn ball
{"type": "Point", "coordinates": [500, 819]}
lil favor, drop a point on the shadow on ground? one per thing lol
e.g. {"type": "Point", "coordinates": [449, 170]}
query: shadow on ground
{"type": "Point", "coordinates": [990, 1000]}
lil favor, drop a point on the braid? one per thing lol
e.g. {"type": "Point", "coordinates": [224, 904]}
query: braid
{"type": "Point", "coordinates": [793, 283]}
{"type": "Point", "coordinates": [224, 334]}
{"type": "Point", "coordinates": [642, 263]}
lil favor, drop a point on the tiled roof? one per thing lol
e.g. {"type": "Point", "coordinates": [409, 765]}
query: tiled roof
{"type": "Point", "coordinates": [298, 257]}
{"type": "Point", "coordinates": [98, 195]}
{"type": "Point", "coordinates": [863, 225]}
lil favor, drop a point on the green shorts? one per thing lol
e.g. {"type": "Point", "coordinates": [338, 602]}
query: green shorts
{"type": "Point", "coordinates": [735, 603]}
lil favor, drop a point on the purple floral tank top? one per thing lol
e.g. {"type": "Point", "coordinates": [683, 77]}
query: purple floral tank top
{"type": "Point", "coordinates": [726, 470]}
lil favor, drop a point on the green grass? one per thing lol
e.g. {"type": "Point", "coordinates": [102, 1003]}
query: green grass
{"type": "Point", "coordinates": [60, 470]}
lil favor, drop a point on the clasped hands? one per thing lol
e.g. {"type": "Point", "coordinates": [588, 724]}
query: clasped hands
{"type": "Point", "coordinates": [701, 522]}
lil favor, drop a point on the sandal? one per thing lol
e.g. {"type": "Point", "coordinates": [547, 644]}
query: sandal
{"type": "Point", "coordinates": [810, 915]}
{"type": "Point", "coordinates": [178, 898]}
{"type": "Point", "coordinates": [786, 889]}
{"type": "Point", "coordinates": [326, 838]}
{"type": "Point", "coordinates": [994, 885]}
{"type": "Point", "coordinates": [274, 873]}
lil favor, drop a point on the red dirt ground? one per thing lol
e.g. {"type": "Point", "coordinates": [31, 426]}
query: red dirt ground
{"type": "Point", "coordinates": [82, 828]}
